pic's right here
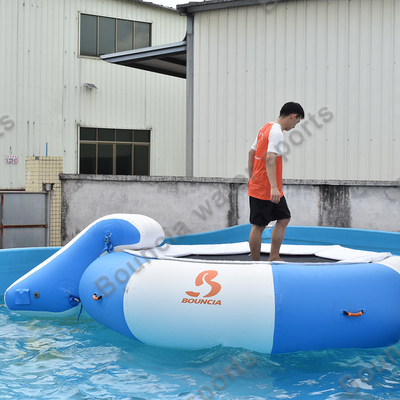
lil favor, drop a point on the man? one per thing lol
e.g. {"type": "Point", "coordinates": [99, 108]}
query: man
{"type": "Point", "coordinates": [267, 202]}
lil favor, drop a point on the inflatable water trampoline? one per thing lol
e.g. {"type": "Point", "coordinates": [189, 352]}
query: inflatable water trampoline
{"type": "Point", "coordinates": [173, 293]}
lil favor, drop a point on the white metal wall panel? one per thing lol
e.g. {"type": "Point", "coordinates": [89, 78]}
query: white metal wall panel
{"type": "Point", "coordinates": [8, 73]}
{"type": "Point", "coordinates": [338, 58]}
{"type": "Point", "coordinates": [133, 98]}
{"type": "Point", "coordinates": [42, 85]}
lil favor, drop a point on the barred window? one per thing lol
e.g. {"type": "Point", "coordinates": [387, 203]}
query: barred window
{"type": "Point", "coordinates": [114, 151]}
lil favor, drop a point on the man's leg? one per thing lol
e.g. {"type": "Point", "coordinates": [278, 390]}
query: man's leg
{"type": "Point", "coordinates": [255, 242]}
{"type": "Point", "coordinates": [277, 235]}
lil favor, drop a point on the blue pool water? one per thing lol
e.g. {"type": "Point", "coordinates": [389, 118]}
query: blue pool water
{"type": "Point", "coordinates": [56, 358]}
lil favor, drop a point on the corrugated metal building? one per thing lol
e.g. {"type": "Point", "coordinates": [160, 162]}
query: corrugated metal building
{"type": "Point", "coordinates": [245, 58]}
{"type": "Point", "coordinates": [338, 58]}
{"type": "Point", "coordinates": [45, 65]}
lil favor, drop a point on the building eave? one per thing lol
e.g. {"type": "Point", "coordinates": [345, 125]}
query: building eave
{"type": "Point", "coordinates": [209, 5]}
{"type": "Point", "coordinates": [168, 59]}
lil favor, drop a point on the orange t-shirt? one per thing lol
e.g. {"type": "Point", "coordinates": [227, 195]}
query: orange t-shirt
{"type": "Point", "coordinates": [259, 185]}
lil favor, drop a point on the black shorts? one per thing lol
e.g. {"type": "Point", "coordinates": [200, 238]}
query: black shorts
{"type": "Point", "coordinates": [262, 212]}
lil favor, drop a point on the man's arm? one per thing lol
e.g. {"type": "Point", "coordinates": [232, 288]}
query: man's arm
{"type": "Point", "coordinates": [250, 162]}
{"type": "Point", "coordinates": [270, 162]}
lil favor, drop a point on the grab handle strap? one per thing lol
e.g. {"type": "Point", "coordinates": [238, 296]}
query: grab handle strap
{"type": "Point", "coordinates": [97, 297]}
{"type": "Point", "coordinates": [349, 314]}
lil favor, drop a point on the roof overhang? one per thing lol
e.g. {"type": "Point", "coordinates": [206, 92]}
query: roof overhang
{"type": "Point", "coordinates": [168, 59]}
{"type": "Point", "coordinates": [210, 5]}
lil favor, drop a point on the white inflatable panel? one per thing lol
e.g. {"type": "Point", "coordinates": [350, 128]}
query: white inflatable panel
{"type": "Point", "coordinates": [151, 232]}
{"type": "Point", "coordinates": [159, 310]}
{"type": "Point", "coordinates": [392, 262]}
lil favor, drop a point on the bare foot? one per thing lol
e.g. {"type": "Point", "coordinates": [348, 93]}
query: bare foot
{"type": "Point", "coordinates": [275, 259]}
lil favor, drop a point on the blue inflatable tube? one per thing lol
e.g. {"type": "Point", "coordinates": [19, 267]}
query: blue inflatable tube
{"type": "Point", "coordinates": [311, 302]}
{"type": "Point", "coordinates": [269, 308]}
{"type": "Point", "coordinates": [161, 300]}
{"type": "Point", "coordinates": [53, 286]}
{"type": "Point", "coordinates": [105, 291]}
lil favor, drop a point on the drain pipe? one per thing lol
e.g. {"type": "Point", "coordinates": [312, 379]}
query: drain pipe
{"type": "Point", "coordinates": [48, 187]}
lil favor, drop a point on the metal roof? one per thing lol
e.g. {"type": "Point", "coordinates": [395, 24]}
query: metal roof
{"type": "Point", "coordinates": [151, 4]}
{"type": "Point", "coordinates": [208, 5]}
{"type": "Point", "coordinates": [167, 59]}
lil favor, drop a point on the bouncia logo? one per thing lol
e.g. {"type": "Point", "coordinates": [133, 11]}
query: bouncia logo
{"type": "Point", "coordinates": [205, 277]}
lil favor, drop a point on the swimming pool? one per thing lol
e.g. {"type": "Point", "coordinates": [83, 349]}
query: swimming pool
{"type": "Point", "coordinates": [56, 358]}
{"type": "Point", "coordinates": [62, 358]}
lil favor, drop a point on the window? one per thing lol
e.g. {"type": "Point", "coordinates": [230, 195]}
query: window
{"type": "Point", "coordinates": [114, 151]}
{"type": "Point", "coordinates": [103, 35]}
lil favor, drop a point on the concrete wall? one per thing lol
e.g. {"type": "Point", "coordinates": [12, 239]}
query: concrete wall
{"type": "Point", "coordinates": [190, 205]}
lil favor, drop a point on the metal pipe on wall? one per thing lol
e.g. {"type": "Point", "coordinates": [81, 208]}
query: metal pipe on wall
{"type": "Point", "coordinates": [48, 188]}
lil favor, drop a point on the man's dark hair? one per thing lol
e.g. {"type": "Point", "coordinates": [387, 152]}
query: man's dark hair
{"type": "Point", "coordinates": [292, 108]}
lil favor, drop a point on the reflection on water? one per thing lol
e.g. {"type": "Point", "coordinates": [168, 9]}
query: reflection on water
{"type": "Point", "coordinates": [66, 359]}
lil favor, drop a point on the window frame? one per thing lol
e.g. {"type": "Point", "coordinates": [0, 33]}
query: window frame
{"type": "Point", "coordinates": [115, 33]}
{"type": "Point", "coordinates": [134, 144]}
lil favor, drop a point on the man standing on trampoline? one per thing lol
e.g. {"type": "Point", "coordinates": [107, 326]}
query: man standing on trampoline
{"type": "Point", "coordinates": [267, 202]}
